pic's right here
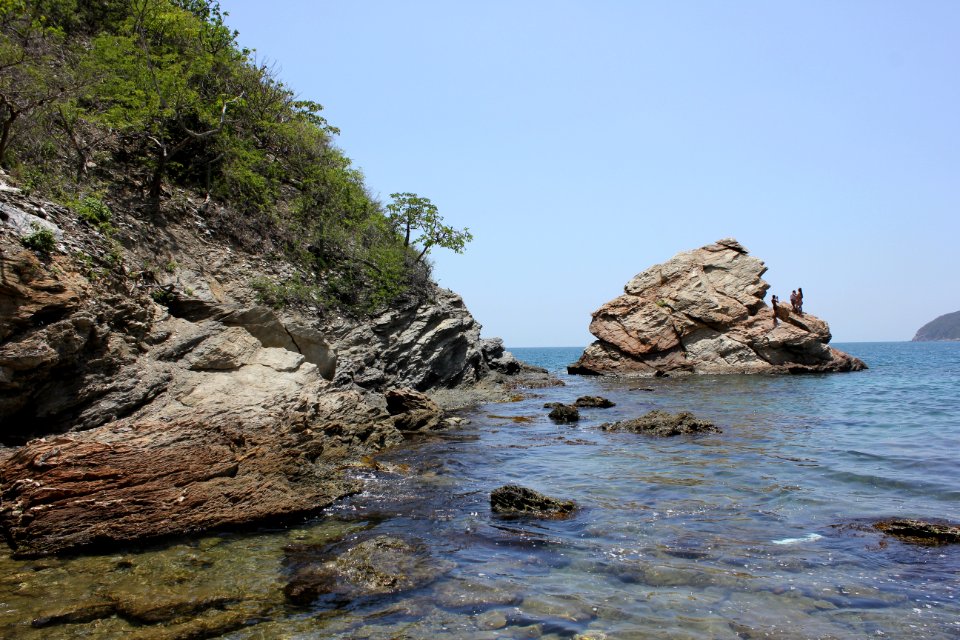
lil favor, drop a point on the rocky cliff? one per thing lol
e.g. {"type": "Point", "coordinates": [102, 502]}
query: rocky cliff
{"type": "Point", "coordinates": [942, 328]}
{"type": "Point", "coordinates": [703, 311]}
{"type": "Point", "coordinates": [144, 392]}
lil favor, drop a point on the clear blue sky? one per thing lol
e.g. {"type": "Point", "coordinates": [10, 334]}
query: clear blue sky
{"type": "Point", "coordinates": [582, 142]}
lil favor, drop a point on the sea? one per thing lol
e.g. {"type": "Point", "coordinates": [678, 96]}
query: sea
{"type": "Point", "coordinates": [763, 530]}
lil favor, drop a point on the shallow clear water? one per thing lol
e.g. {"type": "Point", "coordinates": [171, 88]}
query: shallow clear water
{"type": "Point", "coordinates": [756, 532]}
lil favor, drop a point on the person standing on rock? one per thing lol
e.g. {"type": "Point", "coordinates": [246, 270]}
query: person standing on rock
{"type": "Point", "coordinates": [800, 300]}
{"type": "Point", "coordinates": [773, 301]}
{"type": "Point", "coordinates": [793, 300]}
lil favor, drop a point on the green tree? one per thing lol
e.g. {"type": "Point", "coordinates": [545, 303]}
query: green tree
{"type": "Point", "coordinates": [34, 69]}
{"type": "Point", "coordinates": [169, 81]}
{"type": "Point", "coordinates": [420, 223]}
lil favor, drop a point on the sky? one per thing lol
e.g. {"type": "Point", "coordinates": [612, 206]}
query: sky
{"type": "Point", "coordinates": [583, 142]}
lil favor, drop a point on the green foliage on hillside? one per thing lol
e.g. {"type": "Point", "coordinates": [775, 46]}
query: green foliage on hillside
{"type": "Point", "coordinates": [160, 93]}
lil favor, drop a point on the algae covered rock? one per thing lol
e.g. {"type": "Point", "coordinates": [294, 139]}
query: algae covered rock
{"type": "Point", "coordinates": [663, 424]}
{"type": "Point", "coordinates": [380, 565]}
{"type": "Point", "coordinates": [513, 499]}
{"type": "Point", "coordinates": [412, 410]}
{"type": "Point", "coordinates": [595, 402]}
{"type": "Point", "coordinates": [920, 531]}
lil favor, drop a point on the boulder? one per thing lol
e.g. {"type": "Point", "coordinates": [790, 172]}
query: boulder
{"type": "Point", "coordinates": [497, 358]}
{"type": "Point", "coordinates": [663, 424]}
{"type": "Point", "coordinates": [703, 311]}
{"type": "Point", "coordinates": [412, 410]}
{"type": "Point", "coordinates": [595, 402]}
{"type": "Point", "coordinates": [564, 413]}
{"type": "Point", "coordinates": [513, 499]}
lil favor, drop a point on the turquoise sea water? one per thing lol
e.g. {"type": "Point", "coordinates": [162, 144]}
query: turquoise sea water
{"type": "Point", "coordinates": [760, 531]}
{"type": "Point", "coordinates": [757, 532]}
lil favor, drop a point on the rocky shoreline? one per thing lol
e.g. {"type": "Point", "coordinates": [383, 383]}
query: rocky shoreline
{"type": "Point", "coordinates": [137, 406]}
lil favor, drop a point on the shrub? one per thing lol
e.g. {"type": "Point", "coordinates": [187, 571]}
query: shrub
{"type": "Point", "coordinates": [96, 213]}
{"type": "Point", "coordinates": [290, 292]}
{"type": "Point", "coordinates": [41, 240]}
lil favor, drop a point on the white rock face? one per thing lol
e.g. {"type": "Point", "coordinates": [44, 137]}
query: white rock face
{"type": "Point", "coordinates": [703, 311]}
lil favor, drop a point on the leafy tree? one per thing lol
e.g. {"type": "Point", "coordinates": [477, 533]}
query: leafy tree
{"type": "Point", "coordinates": [32, 71]}
{"type": "Point", "coordinates": [168, 80]}
{"type": "Point", "coordinates": [420, 223]}
{"type": "Point", "coordinates": [159, 91]}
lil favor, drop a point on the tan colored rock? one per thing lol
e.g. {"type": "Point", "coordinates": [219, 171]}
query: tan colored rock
{"type": "Point", "coordinates": [412, 410]}
{"type": "Point", "coordinates": [703, 311]}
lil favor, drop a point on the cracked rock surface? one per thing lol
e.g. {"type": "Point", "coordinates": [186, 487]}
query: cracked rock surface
{"type": "Point", "coordinates": [703, 311]}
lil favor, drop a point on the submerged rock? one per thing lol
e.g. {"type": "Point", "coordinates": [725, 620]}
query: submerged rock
{"type": "Point", "coordinates": [513, 499]}
{"type": "Point", "coordinates": [663, 424]}
{"type": "Point", "coordinates": [594, 402]}
{"type": "Point", "coordinates": [921, 532]}
{"type": "Point", "coordinates": [380, 565]}
{"type": "Point", "coordinates": [702, 311]}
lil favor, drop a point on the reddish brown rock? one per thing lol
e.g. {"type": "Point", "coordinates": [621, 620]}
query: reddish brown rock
{"type": "Point", "coordinates": [125, 482]}
{"type": "Point", "coordinates": [703, 311]}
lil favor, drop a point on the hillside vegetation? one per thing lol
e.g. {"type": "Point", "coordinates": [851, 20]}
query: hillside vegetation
{"type": "Point", "coordinates": [132, 103]}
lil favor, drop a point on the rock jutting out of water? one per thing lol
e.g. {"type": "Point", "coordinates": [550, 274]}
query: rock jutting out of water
{"type": "Point", "coordinates": [513, 499]}
{"type": "Point", "coordinates": [595, 402]}
{"type": "Point", "coordinates": [663, 424]}
{"type": "Point", "coordinates": [564, 413]}
{"type": "Point", "coordinates": [703, 311]}
{"type": "Point", "coordinates": [920, 531]}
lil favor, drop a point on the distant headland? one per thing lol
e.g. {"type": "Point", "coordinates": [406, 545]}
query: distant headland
{"type": "Point", "coordinates": [946, 328]}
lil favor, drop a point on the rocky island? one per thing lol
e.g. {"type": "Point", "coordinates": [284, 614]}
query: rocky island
{"type": "Point", "coordinates": [703, 311]}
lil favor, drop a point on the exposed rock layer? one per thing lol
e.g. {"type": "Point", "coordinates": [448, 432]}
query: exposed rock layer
{"type": "Point", "coordinates": [702, 311]}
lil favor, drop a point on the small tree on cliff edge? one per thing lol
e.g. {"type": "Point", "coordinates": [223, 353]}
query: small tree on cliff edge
{"type": "Point", "coordinates": [418, 220]}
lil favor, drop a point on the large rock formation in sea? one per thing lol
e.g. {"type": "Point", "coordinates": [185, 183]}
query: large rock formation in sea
{"type": "Point", "coordinates": [135, 407]}
{"type": "Point", "coordinates": [703, 311]}
{"type": "Point", "coordinates": [945, 328]}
